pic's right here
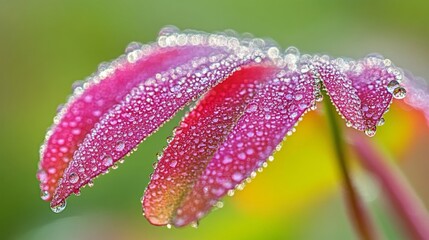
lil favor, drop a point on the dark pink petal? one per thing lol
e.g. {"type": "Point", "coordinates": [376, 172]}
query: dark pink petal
{"type": "Point", "coordinates": [203, 61]}
{"type": "Point", "coordinates": [230, 134]}
{"type": "Point", "coordinates": [94, 98]}
{"type": "Point", "coordinates": [361, 90]}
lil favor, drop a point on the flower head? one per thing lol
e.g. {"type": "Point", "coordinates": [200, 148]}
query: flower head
{"type": "Point", "coordinates": [248, 95]}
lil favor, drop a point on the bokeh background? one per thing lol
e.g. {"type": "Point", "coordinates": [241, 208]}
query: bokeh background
{"type": "Point", "coordinates": [46, 45]}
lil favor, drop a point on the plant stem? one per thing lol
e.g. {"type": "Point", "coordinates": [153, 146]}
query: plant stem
{"type": "Point", "coordinates": [403, 199]}
{"type": "Point", "coordinates": [360, 218]}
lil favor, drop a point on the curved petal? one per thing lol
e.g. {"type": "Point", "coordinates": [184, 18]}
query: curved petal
{"type": "Point", "coordinates": [361, 90]}
{"type": "Point", "coordinates": [94, 98]}
{"type": "Point", "coordinates": [154, 100]}
{"type": "Point", "coordinates": [230, 134]}
{"type": "Point", "coordinates": [417, 93]}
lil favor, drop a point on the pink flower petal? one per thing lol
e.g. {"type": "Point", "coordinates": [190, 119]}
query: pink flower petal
{"type": "Point", "coordinates": [361, 90]}
{"type": "Point", "coordinates": [203, 61]}
{"type": "Point", "coordinates": [230, 134]}
{"type": "Point", "coordinates": [90, 101]}
{"type": "Point", "coordinates": [417, 93]}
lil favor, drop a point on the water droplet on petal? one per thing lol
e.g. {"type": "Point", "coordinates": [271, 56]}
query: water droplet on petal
{"type": "Point", "coordinates": [42, 176]}
{"type": "Point", "coordinates": [173, 164]}
{"type": "Point", "coordinates": [115, 166]}
{"type": "Point", "coordinates": [399, 93]}
{"type": "Point", "coordinates": [90, 184]}
{"type": "Point", "coordinates": [392, 85]}
{"type": "Point", "coordinates": [133, 46]}
{"type": "Point", "coordinates": [380, 122]}
{"type": "Point", "coordinates": [73, 178]}
{"type": "Point", "coordinates": [45, 195]}
{"type": "Point", "coordinates": [237, 177]}
{"type": "Point", "coordinates": [107, 161]}
{"type": "Point", "coordinates": [168, 30]}
{"type": "Point", "coordinates": [298, 97]}
{"type": "Point", "coordinates": [60, 207]}
{"type": "Point", "coordinates": [318, 97]}
{"type": "Point", "coordinates": [195, 224]}
{"type": "Point", "coordinates": [370, 132]}
{"type": "Point", "coordinates": [242, 156]}
{"type": "Point", "coordinates": [227, 160]}
{"type": "Point", "coordinates": [120, 145]}
{"type": "Point", "coordinates": [252, 108]}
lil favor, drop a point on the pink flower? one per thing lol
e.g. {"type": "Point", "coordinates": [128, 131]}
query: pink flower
{"type": "Point", "coordinates": [248, 95]}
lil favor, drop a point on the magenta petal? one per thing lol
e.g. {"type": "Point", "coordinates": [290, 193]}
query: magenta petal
{"type": "Point", "coordinates": [361, 90]}
{"type": "Point", "coordinates": [223, 140]}
{"type": "Point", "coordinates": [154, 99]}
{"type": "Point", "coordinates": [94, 98]}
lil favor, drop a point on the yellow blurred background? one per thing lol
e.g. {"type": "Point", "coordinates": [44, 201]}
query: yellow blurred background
{"type": "Point", "coordinates": [46, 45]}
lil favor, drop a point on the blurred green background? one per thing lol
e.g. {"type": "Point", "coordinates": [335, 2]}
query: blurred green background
{"type": "Point", "coordinates": [47, 45]}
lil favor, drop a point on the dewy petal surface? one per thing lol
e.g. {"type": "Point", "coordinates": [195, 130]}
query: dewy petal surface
{"type": "Point", "coordinates": [222, 141]}
{"type": "Point", "coordinates": [94, 98]}
{"type": "Point", "coordinates": [153, 101]}
{"type": "Point", "coordinates": [359, 89]}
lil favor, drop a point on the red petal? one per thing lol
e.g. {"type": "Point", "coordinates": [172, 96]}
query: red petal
{"type": "Point", "coordinates": [155, 98]}
{"type": "Point", "coordinates": [230, 134]}
{"type": "Point", "coordinates": [359, 89]}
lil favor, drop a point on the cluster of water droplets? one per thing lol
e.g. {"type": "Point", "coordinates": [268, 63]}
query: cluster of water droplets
{"type": "Point", "coordinates": [279, 106]}
{"type": "Point", "coordinates": [296, 88]}
{"type": "Point", "coordinates": [357, 88]}
{"type": "Point", "coordinates": [182, 82]}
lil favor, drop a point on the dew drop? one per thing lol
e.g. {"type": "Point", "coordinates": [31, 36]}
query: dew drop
{"type": "Point", "coordinates": [195, 224]}
{"type": "Point", "coordinates": [227, 160]}
{"type": "Point", "coordinates": [399, 93]}
{"type": "Point", "coordinates": [60, 107]}
{"type": "Point", "coordinates": [120, 145]}
{"type": "Point", "coordinates": [380, 122]}
{"type": "Point", "coordinates": [155, 164]}
{"type": "Point", "coordinates": [173, 164]}
{"type": "Point", "coordinates": [44, 195]}
{"type": "Point", "coordinates": [370, 132]}
{"type": "Point", "coordinates": [273, 52]}
{"type": "Point", "coordinates": [107, 161]}
{"type": "Point", "coordinates": [168, 30]}
{"type": "Point", "coordinates": [219, 204]}
{"type": "Point", "coordinates": [242, 156]}
{"type": "Point", "coordinates": [115, 166]}
{"type": "Point", "coordinates": [237, 177]}
{"type": "Point", "coordinates": [60, 207]}
{"type": "Point", "coordinates": [42, 176]}
{"type": "Point", "coordinates": [90, 184]}
{"type": "Point", "coordinates": [73, 178]}
{"type": "Point", "coordinates": [392, 85]}
{"type": "Point", "coordinates": [298, 97]}
{"type": "Point", "coordinates": [133, 46]}
{"type": "Point", "coordinates": [252, 108]}
{"type": "Point", "coordinates": [318, 97]}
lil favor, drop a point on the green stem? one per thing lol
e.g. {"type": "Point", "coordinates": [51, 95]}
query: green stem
{"type": "Point", "coordinates": [360, 219]}
{"type": "Point", "coordinates": [405, 202]}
